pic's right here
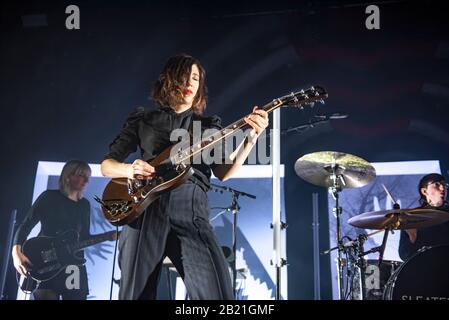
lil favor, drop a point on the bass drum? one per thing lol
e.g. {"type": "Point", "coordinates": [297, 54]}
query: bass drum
{"type": "Point", "coordinates": [425, 276]}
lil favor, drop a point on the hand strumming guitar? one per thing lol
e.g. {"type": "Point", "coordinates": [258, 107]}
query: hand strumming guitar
{"type": "Point", "coordinates": [21, 262]}
{"type": "Point", "coordinates": [140, 169]}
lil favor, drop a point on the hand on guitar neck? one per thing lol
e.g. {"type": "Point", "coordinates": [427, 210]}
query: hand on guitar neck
{"type": "Point", "coordinates": [258, 120]}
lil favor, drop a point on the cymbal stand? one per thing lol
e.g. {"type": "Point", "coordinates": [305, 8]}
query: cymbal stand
{"type": "Point", "coordinates": [361, 262]}
{"type": "Point", "coordinates": [337, 181]}
{"type": "Point", "coordinates": [355, 252]}
{"type": "Point", "coordinates": [234, 208]}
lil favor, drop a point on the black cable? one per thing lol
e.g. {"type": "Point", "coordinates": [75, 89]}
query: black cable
{"type": "Point", "coordinates": [351, 279]}
{"type": "Point", "coordinates": [349, 273]}
{"type": "Point", "coordinates": [347, 291]}
{"type": "Point", "coordinates": [113, 265]}
{"type": "Point", "coordinates": [346, 294]}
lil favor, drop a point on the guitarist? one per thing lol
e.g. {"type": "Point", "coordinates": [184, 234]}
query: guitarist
{"type": "Point", "coordinates": [177, 223]}
{"type": "Point", "coordinates": [58, 211]}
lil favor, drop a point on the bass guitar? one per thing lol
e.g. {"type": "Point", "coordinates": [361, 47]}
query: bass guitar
{"type": "Point", "coordinates": [50, 255]}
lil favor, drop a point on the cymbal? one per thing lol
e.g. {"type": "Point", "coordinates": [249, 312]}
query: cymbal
{"type": "Point", "coordinates": [399, 219]}
{"type": "Point", "coordinates": [318, 167]}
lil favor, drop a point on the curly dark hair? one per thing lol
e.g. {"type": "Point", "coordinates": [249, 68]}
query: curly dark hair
{"type": "Point", "coordinates": [168, 89]}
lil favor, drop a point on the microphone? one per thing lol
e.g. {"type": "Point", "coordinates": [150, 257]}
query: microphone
{"type": "Point", "coordinates": [218, 188]}
{"type": "Point", "coordinates": [336, 116]}
{"type": "Point", "coordinates": [333, 116]}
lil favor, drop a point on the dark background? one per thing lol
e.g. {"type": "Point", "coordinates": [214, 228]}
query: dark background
{"type": "Point", "coordinates": [64, 94]}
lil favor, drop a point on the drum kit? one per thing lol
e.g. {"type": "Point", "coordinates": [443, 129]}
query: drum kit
{"type": "Point", "coordinates": [337, 171]}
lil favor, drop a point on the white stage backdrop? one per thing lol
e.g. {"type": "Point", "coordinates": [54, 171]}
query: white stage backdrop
{"type": "Point", "coordinates": [256, 279]}
{"type": "Point", "coordinates": [401, 179]}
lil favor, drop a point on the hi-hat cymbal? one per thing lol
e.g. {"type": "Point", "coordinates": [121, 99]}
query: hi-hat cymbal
{"type": "Point", "coordinates": [318, 168]}
{"type": "Point", "coordinates": [399, 219]}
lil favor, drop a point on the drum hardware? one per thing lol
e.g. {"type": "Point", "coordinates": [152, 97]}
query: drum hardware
{"type": "Point", "coordinates": [403, 279]}
{"type": "Point", "coordinates": [335, 171]}
{"type": "Point", "coordinates": [361, 262]}
{"type": "Point", "coordinates": [355, 261]}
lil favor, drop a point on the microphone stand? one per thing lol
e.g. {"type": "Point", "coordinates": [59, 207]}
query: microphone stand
{"type": "Point", "coordinates": [234, 208]}
{"type": "Point", "coordinates": [317, 119]}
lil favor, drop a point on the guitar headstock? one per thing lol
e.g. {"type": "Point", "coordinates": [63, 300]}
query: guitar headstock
{"type": "Point", "coordinates": [304, 97]}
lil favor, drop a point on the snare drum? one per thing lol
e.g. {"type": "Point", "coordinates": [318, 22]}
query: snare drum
{"type": "Point", "coordinates": [425, 276]}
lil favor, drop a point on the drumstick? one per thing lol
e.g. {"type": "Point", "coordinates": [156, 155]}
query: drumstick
{"type": "Point", "coordinates": [389, 194]}
{"type": "Point", "coordinates": [373, 233]}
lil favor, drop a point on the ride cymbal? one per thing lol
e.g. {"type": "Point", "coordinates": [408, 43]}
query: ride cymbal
{"type": "Point", "coordinates": [319, 168]}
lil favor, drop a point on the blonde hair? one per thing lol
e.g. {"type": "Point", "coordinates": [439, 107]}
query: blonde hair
{"type": "Point", "coordinates": [71, 168]}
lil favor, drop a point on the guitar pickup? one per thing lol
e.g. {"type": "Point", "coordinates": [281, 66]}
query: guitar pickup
{"type": "Point", "coordinates": [49, 255]}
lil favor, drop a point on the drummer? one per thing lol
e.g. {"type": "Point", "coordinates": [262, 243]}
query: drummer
{"type": "Point", "coordinates": [432, 190]}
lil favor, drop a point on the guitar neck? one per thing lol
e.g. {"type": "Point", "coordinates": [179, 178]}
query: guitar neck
{"type": "Point", "coordinates": [92, 240]}
{"type": "Point", "coordinates": [211, 140]}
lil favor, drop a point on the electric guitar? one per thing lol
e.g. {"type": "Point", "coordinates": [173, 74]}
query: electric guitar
{"type": "Point", "coordinates": [124, 199]}
{"type": "Point", "coordinates": [50, 255]}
